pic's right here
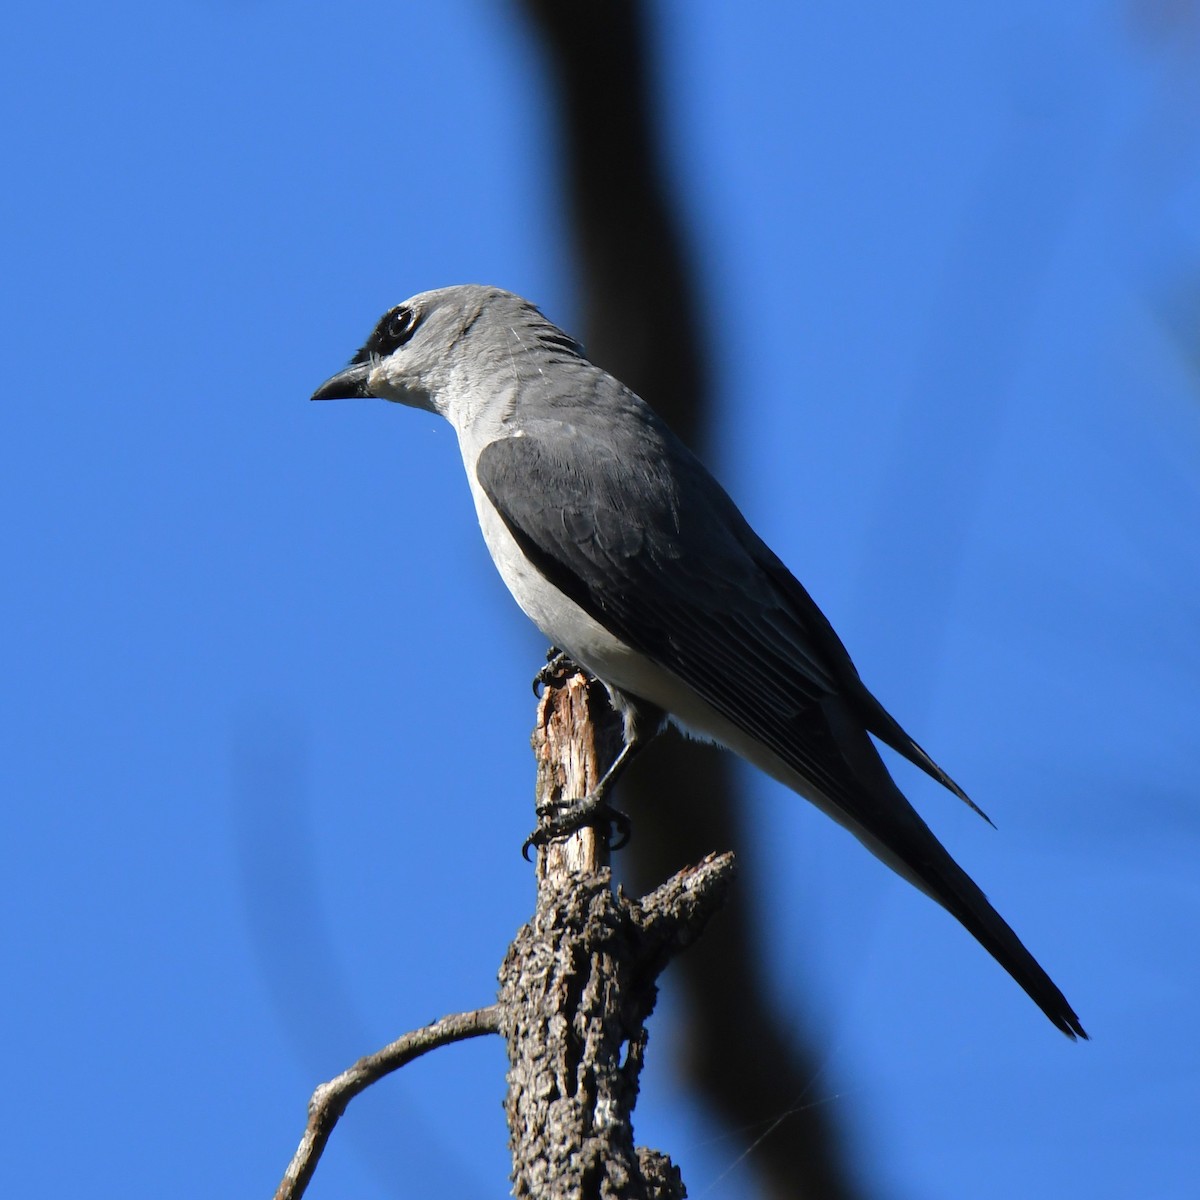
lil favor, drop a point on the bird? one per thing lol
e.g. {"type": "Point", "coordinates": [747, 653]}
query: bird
{"type": "Point", "coordinates": [628, 555]}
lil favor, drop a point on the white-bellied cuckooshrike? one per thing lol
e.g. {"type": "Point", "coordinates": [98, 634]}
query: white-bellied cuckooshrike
{"type": "Point", "coordinates": [627, 554]}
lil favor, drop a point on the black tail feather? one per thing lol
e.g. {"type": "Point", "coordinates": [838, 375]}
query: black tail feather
{"type": "Point", "coordinates": [958, 893]}
{"type": "Point", "coordinates": [890, 826]}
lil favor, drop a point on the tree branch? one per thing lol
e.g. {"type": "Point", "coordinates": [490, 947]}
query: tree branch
{"type": "Point", "coordinates": [330, 1099]}
{"type": "Point", "coordinates": [579, 983]}
{"type": "Point", "coordinates": [576, 989]}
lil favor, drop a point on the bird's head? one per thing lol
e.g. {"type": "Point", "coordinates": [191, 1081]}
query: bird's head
{"type": "Point", "coordinates": [428, 351]}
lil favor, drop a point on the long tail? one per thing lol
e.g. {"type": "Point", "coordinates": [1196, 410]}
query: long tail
{"type": "Point", "coordinates": [883, 819]}
{"type": "Point", "coordinates": [958, 893]}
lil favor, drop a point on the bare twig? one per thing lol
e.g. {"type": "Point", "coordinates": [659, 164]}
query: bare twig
{"type": "Point", "coordinates": [329, 1101]}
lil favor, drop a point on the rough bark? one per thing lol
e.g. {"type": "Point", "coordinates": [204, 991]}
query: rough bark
{"type": "Point", "coordinates": [579, 984]}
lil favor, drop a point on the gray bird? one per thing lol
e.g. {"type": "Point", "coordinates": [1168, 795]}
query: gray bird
{"type": "Point", "coordinates": [626, 553]}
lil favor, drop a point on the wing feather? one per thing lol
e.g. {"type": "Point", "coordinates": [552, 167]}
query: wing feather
{"type": "Point", "coordinates": [679, 586]}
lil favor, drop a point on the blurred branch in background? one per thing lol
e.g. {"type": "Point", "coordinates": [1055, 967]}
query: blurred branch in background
{"type": "Point", "coordinates": [1179, 314]}
{"type": "Point", "coordinates": [748, 1064]}
{"type": "Point", "coordinates": [1164, 149]}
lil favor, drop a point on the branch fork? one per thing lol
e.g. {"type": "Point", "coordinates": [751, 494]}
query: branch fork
{"type": "Point", "coordinates": [576, 988]}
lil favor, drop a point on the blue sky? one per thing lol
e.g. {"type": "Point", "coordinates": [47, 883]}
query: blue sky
{"type": "Point", "coordinates": [265, 704]}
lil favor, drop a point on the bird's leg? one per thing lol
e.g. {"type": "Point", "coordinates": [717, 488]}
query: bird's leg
{"type": "Point", "coordinates": [568, 815]}
{"type": "Point", "coordinates": [563, 817]}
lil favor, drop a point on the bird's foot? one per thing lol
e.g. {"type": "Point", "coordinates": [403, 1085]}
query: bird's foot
{"type": "Point", "coordinates": [559, 665]}
{"type": "Point", "coordinates": [566, 816]}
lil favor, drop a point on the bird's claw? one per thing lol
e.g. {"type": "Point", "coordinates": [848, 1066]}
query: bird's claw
{"type": "Point", "coordinates": [561, 820]}
{"type": "Point", "coordinates": [559, 665]}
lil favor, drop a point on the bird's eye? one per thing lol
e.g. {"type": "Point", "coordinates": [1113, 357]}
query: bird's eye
{"type": "Point", "coordinates": [398, 327]}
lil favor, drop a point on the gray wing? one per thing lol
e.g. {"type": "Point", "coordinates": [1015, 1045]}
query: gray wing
{"type": "Point", "coordinates": [691, 586]}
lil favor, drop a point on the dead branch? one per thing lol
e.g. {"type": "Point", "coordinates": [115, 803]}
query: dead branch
{"type": "Point", "coordinates": [579, 983]}
{"type": "Point", "coordinates": [576, 989]}
{"type": "Point", "coordinates": [330, 1099]}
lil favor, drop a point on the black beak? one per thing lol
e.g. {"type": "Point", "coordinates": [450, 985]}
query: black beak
{"type": "Point", "coordinates": [350, 384]}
